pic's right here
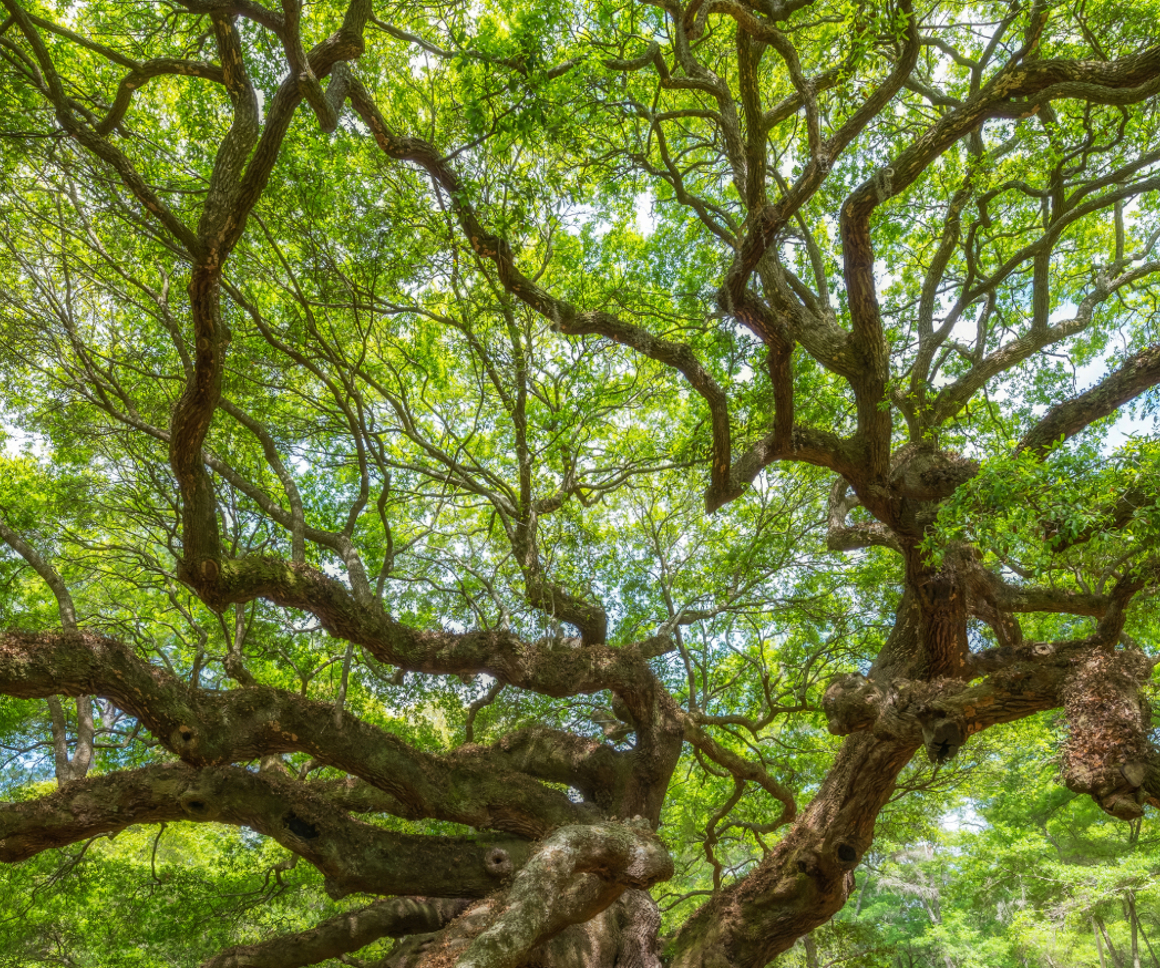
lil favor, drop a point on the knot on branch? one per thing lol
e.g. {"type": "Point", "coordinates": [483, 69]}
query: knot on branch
{"type": "Point", "coordinates": [833, 861]}
{"type": "Point", "coordinates": [497, 862]}
{"type": "Point", "coordinates": [922, 473]}
{"type": "Point", "coordinates": [198, 805]}
{"type": "Point", "coordinates": [184, 740]}
{"type": "Point", "coordinates": [907, 710]}
{"type": "Point", "coordinates": [943, 734]}
{"type": "Point", "coordinates": [851, 704]}
{"type": "Point", "coordinates": [303, 829]}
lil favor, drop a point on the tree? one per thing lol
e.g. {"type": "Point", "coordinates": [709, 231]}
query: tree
{"type": "Point", "coordinates": [349, 323]}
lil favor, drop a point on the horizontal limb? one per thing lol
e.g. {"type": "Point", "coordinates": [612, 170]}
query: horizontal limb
{"type": "Point", "coordinates": [354, 856]}
{"type": "Point", "coordinates": [393, 917]}
{"type": "Point", "coordinates": [206, 727]}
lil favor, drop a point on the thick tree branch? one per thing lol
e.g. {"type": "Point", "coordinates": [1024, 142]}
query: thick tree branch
{"type": "Point", "coordinates": [354, 856]}
{"type": "Point", "coordinates": [207, 727]}
{"type": "Point", "coordinates": [1138, 373]}
{"type": "Point", "coordinates": [343, 934]}
{"type": "Point", "coordinates": [575, 875]}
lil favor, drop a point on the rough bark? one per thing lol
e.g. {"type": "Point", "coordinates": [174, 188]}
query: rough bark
{"type": "Point", "coordinates": [354, 856]}
{"type": "Point", "coordinates": [207, 728]}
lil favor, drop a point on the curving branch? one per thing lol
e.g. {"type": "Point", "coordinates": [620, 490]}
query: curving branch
{"type": "Point", "coordinates": [598, 770]}
{"type": "Point", "coordinates": [843, 536]}
{"type": "Point", "coordinates": [159, 67]}
{"type": "Point", "coordinates": [772, 218]}
{"type": "Point", "coordinates": [742, 769]}
{"type": "Point", "coordinates": [1006, 597]}
{"type": "Point", "coordinates": [394, 917]}
{"type": "Point", "coordinates": [250, 9]}
{"type": "Point", "coordinates": [242, 167]}
{"type": "Point", "coordinates": [576, 874]}
{"type": "Point", "coordinates": [564, 317]}
{"type": "Point", "coordinates": [78, 127]}
{"type": "Point", "coordinates": [1137, 374]}
{"type": "Point", "coordinates": [541, 667]}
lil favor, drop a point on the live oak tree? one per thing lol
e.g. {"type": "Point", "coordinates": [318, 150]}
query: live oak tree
{"type": "Point", "coordinates": [621, 391]}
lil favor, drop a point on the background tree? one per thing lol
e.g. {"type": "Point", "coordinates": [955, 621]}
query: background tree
{"type": "Point", "coordinates": [370, 371]}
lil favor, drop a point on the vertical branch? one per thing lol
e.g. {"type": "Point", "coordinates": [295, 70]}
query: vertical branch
{"type": "Point", "coordinates": [66, 768]}
{"type": "Point", "coordinates": [234, 661]}
{"type": "Point", "coordinates": [308, 85]}
{"type": "Point", "coordinates": [711, 829]}
{"type": "Point", "coordinates": [270, 450]}
{"type": "Point", "coordinates": [473, 710]}
{"type": "Point", "coordinates": [340, 701]}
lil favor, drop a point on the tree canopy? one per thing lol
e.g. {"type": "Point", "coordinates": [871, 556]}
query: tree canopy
{"type": "Point", "coordinates": [569, 483]}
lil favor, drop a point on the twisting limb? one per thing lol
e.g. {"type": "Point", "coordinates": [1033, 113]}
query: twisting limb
{"type": "Point", "coordinates": [498, 652]}
{"type": "Point", "coordinates": [766, 224]}
{"type": "Point", "coordinates": [718, 815]}
{"type": "Point", "coordinates": [887, 721]}
{"type": "Point", "coordinates": [563, 315]}
{"type": "Point", "coordinates": [1003, 596]}
{"type": "Point", "coordinates": [242, 166]}
{"type": "Point", "coordinates": [343, 934]}
{"type": "Point", "coordinates": [575, 874]}
{"type": "Point", "coordinates": [249, 9]}
{"type": "Point", "coordinates": [476, 705]}
{"type": "Point", "coordinates": [742, 769]}
{"type": "Point", "coordinates": [158, 67]}
{"type": "Point", "coordinates": [598, 770]}
{"type": "Point", "coordinates": [1098, 687]}
{"type": "Point", "coordinates": [205, 727]}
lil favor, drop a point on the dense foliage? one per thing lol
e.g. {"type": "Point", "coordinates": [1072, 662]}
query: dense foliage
{"type": "Point", "coordinates": [553, 483]}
